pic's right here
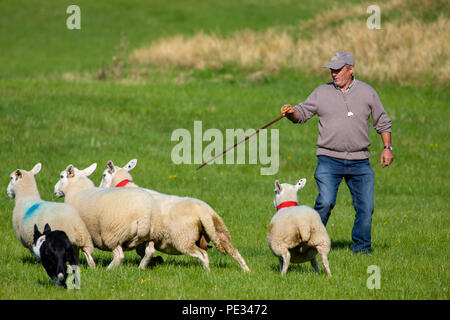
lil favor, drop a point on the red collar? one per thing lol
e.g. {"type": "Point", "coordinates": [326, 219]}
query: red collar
{"type": "Point", "coordinates": [123, 183]}
{"type": "Point", "coordinates": [286, 204]}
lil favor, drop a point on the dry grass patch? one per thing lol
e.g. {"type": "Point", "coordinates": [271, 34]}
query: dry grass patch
{"type": "Point", "coordinates": [245, 49]}
{"type": "Point", "coordinates": [398, 52]}
{"type": "Point", "coordinates": [405, 49]}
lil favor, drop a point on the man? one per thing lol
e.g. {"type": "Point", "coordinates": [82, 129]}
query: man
{"type": "Point", "coordinates": [344, 107]}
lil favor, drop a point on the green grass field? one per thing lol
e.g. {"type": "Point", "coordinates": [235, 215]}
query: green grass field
{"type": "Point", "coordinates": [54, 110]}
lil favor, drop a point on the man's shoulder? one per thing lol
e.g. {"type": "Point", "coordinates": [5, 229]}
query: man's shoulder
{"type": "Point", "coordinates": [361, 85]}
{"type": "Point", "coordinates": [325, 87]}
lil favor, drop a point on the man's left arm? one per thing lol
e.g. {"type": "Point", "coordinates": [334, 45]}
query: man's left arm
{"type": "Point", "coordinates": [386, 155]}
{"type": "Point", "coordinates": [382, 124]}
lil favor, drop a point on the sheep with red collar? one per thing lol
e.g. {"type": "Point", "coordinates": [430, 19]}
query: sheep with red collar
{"type": "Point", "coordinates": [30, 209]}
{"type": "Point", "coordinates": [183, 225]}
{"type": "Point", "coordinates": [117, 219]}
{"type": "Point", "coordinates": [296, 233]}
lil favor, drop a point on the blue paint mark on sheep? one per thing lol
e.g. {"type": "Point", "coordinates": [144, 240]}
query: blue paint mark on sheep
{"type": "Point", "coordinates": [31, 210]}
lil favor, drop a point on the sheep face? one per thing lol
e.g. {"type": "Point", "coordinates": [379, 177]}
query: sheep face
{"type": "Point", "coordinates": [17, 177]}
{"type": "Point", "coordinates": [111, 171]}
{"type": "Point", "coordinates": [108, 175]}
{"type": "Point", "coordinates": [287, 192]}
{"type": "Point", "coordinates": [68, 175]}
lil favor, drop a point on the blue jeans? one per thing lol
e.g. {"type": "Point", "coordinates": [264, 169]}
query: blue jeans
{"type": "Point", "coordinates": [359, 177]}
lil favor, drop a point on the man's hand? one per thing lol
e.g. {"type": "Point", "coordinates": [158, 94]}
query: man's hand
{"type": "Point", "coordinates": [287, 106]}
{"type": "Point", "coordinates": [291, 114]}
{"type": "Point", "coordinates": [386, 157]}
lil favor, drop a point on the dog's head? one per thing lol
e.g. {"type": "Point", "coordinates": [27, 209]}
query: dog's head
{"type": "Point", "coordinates": [39, 238]}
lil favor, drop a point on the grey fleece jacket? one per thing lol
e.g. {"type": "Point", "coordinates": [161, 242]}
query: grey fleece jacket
{"type": "Point", "coordinates": [344, 119]}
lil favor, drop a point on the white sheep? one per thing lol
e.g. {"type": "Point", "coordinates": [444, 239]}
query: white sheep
{"type": "Point", "coordinates": [184, 225]}
{"type": "Point", "coordinates": [296, 233]}
{"type": "Point", "coordinates": [117, 219]}
{"type": "Point", "coordinates": [30, 209]}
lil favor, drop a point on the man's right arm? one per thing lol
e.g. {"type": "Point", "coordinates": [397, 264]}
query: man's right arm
{"type": "Point", "coordinates": [292, 114]}
{"type": "Point", "coordinates": [303, 111]}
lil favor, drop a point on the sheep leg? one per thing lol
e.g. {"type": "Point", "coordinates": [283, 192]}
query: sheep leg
{"type": "Point", "coordinates": [286, 259]}
{"type": "Point", "coordinates": [237, 256]}
{"type": "Point", "coordinates": [315, 264]}
{"type": "Point", "coordinates": [323, 255]}
{"type": "Point", "coordinates": [118, 257]}
{"type": "Point", "coordinates": [149, 251]}
{"type": "Point", "coordinates": [87, 253]}
{"type": "Point", "coordinates": [280, 260]}
{"type": "Point", "coordinates": [233, 252]}
{"type": "Point", "coordinates": [325, 264]}
{"type": "Point", "coordinates": [201, 254]}
{"type": "Point", "coordinates": [140, 250]}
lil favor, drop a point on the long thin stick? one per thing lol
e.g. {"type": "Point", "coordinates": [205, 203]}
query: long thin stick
{"type": "Point", "coordinates": [245, 139]}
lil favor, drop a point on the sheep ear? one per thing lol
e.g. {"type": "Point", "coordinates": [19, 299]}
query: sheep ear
{"type": "Point", "coordinates": [130, 165]}
{"type": "Point", "coordinates": [36, 169]}
{"type": "Point", "coordinates": [301, 183]}
{"type": "Point", "coordinates": [89, 170]}
{"type": "Point", "coordinates": [277, 185]}
{"type": "Point", "coordinates": [110, 165]}
{"type": "Point", "coordinates": [70, 171]}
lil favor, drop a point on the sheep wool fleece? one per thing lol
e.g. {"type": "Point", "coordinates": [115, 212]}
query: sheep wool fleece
{"type": "Point", "coordinates": [344, 119]}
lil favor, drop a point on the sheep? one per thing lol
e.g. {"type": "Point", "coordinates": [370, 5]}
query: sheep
{"type": "Point", "coordinates": [296, 233]}
{"type": "Point", "coordinates": [184, 225]}
{"type": "Point", "coordinates": [117, 219]}
{"type": "Point", "coordinates": [30, 209]}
